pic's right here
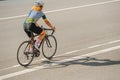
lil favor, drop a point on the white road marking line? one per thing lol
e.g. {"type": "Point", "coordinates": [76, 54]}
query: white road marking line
{"type": "Point", "coordinates": [83, 6]}
{"type": "Point", "coordinates": [111, 42]}
{"type": "Point", "coordinates": [14, 66]}
{"type": "Point", "coordinates": [13, 17]}
{"type": "Point", "coordinates": [65, 9]}
{"type": "Point", "coordinates": [87, 55]}
{"type": "Point", "coordinates": [58, 62]}
{"type": "Point", "coordinates": [114, 41]}
{"type": "Point", "coordinates": [70, 52]}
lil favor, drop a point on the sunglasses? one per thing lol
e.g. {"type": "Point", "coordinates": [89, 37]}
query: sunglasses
{"type": "Point", "coordinates": [41, 6]}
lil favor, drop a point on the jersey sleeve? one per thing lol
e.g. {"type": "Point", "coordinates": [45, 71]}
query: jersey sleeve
{"type": "Point", "coordinates": [29, 13]}
{"type": "Point", "coordinates": [44, 17]}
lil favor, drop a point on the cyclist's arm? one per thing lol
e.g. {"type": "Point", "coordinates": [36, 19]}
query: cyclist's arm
{"type": "Point", "coordinates": [47, 22]}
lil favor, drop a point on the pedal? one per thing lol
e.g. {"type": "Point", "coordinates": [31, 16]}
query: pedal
{"type": "Point", "coordinates": [37, 53]}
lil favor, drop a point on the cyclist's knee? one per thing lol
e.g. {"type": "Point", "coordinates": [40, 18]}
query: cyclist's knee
{"type": "Point", "coordinates": [43, 33]}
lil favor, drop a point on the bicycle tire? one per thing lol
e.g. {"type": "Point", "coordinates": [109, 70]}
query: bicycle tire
{"type": "Point", "coordinates": [25, 64]}
{"type": "Point", "coordinates": [44, 42]}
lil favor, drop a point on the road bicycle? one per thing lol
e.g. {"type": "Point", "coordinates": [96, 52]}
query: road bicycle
{"type": "Point", "coordinates": [48, 46]}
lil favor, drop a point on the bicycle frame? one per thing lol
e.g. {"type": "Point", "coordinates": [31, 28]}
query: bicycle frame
{"type": "Point", "coordinates": [47, 40]}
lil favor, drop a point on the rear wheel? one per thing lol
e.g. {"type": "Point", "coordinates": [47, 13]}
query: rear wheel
{"type": "Point", "coordinates": [24, 57]}
{"type": "Point", "coordinates": [49, 46]}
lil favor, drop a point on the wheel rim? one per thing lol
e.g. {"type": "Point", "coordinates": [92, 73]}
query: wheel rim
{"type": "Point", "coordinates": [49, 47]}
{"type": "Point", "coordinates": [23, 56]}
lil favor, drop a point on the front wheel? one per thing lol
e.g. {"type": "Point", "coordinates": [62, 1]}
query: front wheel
{"type": "Point", "coordinates": [24, 58]}
{"type": "Point", "coordinates": [49, 46]}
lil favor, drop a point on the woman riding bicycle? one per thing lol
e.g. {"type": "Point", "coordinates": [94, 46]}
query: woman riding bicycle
{"type": "Point", "coordinates": [30, 23]}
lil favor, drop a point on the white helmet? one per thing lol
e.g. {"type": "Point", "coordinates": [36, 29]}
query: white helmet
{"type": "Point", "coordinates": [39, 3]}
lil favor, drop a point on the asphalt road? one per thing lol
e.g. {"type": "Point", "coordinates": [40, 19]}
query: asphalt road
{"type": "Point", "coordinates": [88, 35]}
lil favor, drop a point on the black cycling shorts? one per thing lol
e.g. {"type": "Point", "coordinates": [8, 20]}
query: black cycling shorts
{"type": "Point", "coordinates": [32, 27]}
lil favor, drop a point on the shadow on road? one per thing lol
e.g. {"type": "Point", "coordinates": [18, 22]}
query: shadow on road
{"type": "Point", "coordinates": [88, 61]}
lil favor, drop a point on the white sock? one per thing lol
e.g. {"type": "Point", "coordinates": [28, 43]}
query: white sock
{"type": "Point", "coordinates": [31, 50]}
{"type": "Point", "coordinates": [37, 42]}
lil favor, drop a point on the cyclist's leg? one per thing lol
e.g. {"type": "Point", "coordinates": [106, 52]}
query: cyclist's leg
{"type": "Point", "coordinates": [39, 31]}
{"type": "Point", "coordinates": [39, 39]}
{"type": "Point", "coordinates": [29, 35]}
{"type": "Point", "coordinates": [42, 35]}
{"type": "Point", "coordinates": [27, 31]}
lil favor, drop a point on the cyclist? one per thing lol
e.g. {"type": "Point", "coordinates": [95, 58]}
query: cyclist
{"type": "Point", "coordinates": [30, 23]}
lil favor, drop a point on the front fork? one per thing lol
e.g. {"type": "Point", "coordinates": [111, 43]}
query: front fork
{"type": "Point", "coordinates": [48, 42]}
